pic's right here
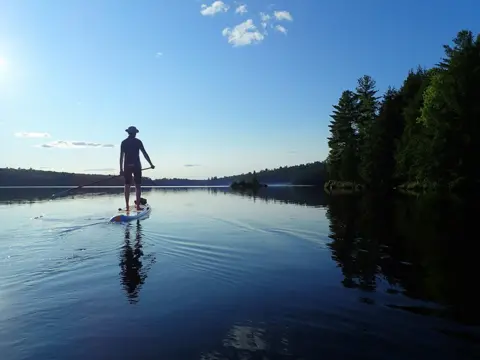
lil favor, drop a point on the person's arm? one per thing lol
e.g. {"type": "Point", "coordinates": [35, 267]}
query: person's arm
{"type": "Point", "coordinates": [121, 159]}
{"type": "Point", "coordinates": [144, 152]}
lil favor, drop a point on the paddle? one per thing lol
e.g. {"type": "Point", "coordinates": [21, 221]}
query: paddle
{"type": "Point", "coordinates": [89, 184]}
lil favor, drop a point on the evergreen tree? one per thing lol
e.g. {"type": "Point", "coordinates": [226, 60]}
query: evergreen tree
{"type": "Point", "coordinates": [386, 133]}
{"type": "Point", "coordinates": [412, 142]}
{"type": "Point", "coordinates": [342, 159]}
{"type": "Point", "coordinates": [368, 107]}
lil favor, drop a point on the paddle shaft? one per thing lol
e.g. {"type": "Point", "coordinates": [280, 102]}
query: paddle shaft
{"type": "Point", "coordinates": [90, 184]}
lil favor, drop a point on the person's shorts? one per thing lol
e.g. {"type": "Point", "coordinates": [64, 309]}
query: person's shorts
{"type": "Point", "coordinates": [132, 171]}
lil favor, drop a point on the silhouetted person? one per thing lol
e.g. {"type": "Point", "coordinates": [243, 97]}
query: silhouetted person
{"type": "Point", "coordinates": [130, 165]}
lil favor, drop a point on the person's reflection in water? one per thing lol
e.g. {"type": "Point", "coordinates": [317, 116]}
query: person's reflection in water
{"type": "Point", "coordinates": [132, 273]}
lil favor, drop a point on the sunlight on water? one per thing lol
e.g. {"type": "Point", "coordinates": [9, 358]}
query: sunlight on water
{"type": "Point", "coordinates": [212, 275]}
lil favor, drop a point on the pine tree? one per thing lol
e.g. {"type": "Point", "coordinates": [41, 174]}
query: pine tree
{"type": "Point", "coordinates": [410, 148]}
{"type": "Point", "coordinates": [368, 109]}
{"type": "Point", "coordinates": [342, 158]}
{"type": "Point", "coordinates": [386, 132]}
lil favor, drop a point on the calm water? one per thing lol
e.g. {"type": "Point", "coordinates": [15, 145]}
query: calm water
{"type": "Point", "coordinates": [287, 274]}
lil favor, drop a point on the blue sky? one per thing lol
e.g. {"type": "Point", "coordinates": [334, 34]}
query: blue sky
{"type": "Point", "coordinates": [215, 88]}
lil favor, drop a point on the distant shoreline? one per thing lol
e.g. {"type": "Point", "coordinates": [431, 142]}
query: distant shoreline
{"type": "Point", "coordinates": [107, 186]}
{"type": "Point", "coordinates": [143, 186]}
{"type": "Point", "coordinates": [304, 174]}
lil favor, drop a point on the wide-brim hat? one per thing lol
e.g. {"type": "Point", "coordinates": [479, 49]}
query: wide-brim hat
{"type": "Point", "coordinates": [132, 130]}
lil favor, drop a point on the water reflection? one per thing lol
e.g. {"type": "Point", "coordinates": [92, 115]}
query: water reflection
{"type": "Point", "coordinates": [29, 195]}
{"type": "Point", "coordinates": [307, 196]}
{"type": "Point", "coordinates": [298, 195]}
{"type": "Point", "coordinates": [421, 248]}
{"type": "Point", "coordinates": [132, 271]}
{"type": "Point", "coordinates": [250, 342]}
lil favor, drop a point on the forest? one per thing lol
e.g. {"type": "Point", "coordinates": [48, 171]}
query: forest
{"type": "Point", "coordinates": [305, 174]}
{"type": "Point", "coordinates": [422, 136]}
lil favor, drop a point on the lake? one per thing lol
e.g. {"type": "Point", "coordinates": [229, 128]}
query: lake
{"type": "Point", "coordinates": [288, 273]}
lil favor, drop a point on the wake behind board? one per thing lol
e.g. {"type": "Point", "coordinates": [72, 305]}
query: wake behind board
{"type": "Point", "coordinates": [125, 215]}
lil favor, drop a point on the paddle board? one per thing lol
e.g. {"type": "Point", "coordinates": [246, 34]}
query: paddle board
{"type": "Point", "coordinates": [125, 215]}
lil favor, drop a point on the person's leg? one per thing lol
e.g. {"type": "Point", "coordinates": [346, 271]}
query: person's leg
{"type": "Point", "coordinates": [126, 191]}
{"type": "Point", "coordinates": [138, 186]}
{"type": "Point", "coordinates": [138, 193]}
{"type": "Point", "coordinates": [127, 174]}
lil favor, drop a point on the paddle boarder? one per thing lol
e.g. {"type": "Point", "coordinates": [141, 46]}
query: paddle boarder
{"type": "Point", "coordinates": [130, 164]}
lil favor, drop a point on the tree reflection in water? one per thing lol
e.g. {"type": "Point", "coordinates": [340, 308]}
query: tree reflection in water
{"type": "Point", "coordinates": [422, 248]}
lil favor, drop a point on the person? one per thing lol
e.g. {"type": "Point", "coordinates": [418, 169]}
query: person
{"type": "Point", "coordinates": [130, 164]}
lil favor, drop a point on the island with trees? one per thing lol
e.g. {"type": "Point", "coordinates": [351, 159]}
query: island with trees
{"type": "Point", "coordinates": [249, 183]}
{"type": "Point", "coordinates": [423, 136]}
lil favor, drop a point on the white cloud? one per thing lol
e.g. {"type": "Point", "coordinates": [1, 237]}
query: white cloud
{"type": "Point", "coordinates": [61, 144]}
{"type": "Point", "coordinates": [242, 9]}
{"type": "Point", "coordinates": [265, 18]}
{"type": "Point", "coordinates": [243, 34]}
{"type": "Point", "coordinates": [216, 7]}
{"type": "Point", "coordinates": [283, 15]}
{"type": "Point", "coordinates": [281, 29]}
{"type": "Point", "coordinates": [32, 134]}
{"type": "Point", "coordinates": [247, 32]}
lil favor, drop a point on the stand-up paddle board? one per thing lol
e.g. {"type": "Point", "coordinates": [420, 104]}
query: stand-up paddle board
{"type": "Point", "coordinates": [125, 215]}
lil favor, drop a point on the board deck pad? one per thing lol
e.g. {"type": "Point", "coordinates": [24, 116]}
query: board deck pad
{"type": "Point", "coordinates": [124, 214]}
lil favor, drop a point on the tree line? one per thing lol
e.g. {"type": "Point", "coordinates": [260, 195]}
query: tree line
{"type": "Point", "coordinates": [422, 135]}
{"type": "Point", "coordinates": [33, 177]}
{"type": "Point", "coordinates": [305, 174]}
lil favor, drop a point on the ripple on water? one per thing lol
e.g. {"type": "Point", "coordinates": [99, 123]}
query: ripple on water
{"type": "Point", "coordinates": [210, 257]}
{"type": "Point", "coordinates": [302, 235]}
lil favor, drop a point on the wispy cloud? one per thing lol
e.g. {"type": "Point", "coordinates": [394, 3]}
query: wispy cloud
{"type": "Point", "coordinates": [191, 165]}
{"type": "Point", "coordinates": [158, 54]}
{"type": "Point", "coordinates": [283, 15]}
{"type": "Point", "coordinates": [214, 8]}
{"type": "Point", "coordinates": [243, 34]}
{"type": "Point", "coordinates": [32, 134]}
{"type": "Point", "coordinates": [61, 144]}
{"type": "Point", "coordinates": [265, 18]}
{"type": "Point", "coordinates": [281, 29]}
{"type": "Point", "coordinates": [242, 9]}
